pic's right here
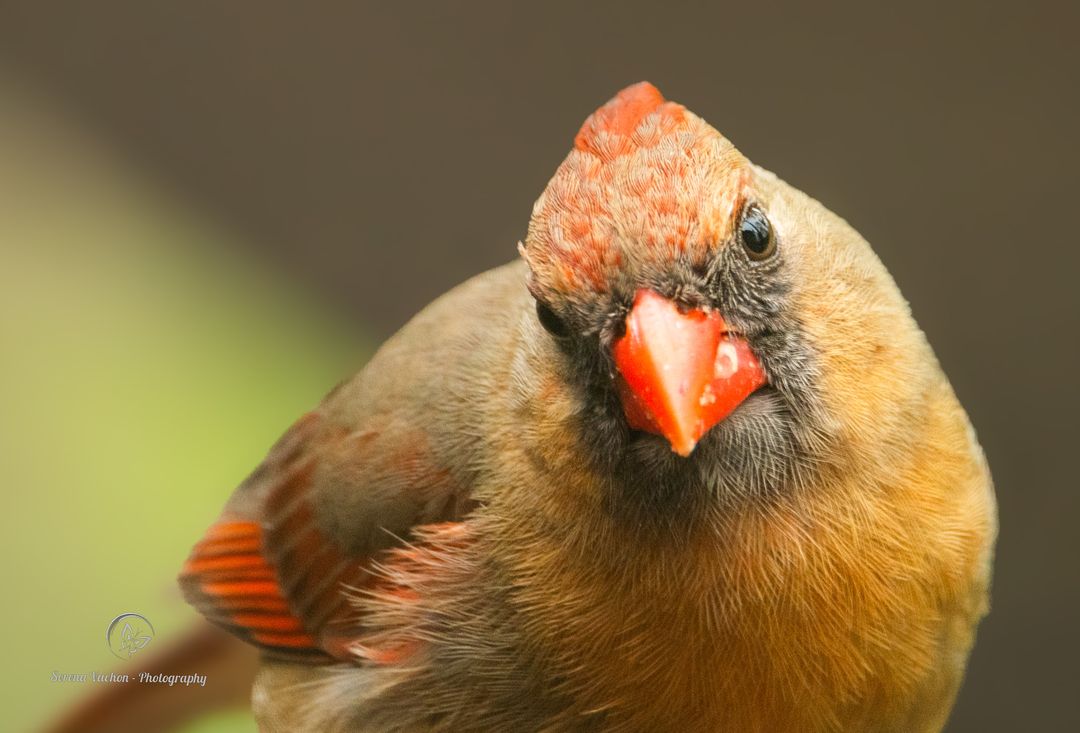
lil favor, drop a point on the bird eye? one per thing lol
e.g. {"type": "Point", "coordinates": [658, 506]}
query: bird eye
{"type": "Point", "coordinates": [551, 322]}
{"type": "Point", "coordinates": [756, 234]}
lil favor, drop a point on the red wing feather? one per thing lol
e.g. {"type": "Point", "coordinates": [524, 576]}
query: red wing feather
{"type": "Point", "coordinates": [229, 580]}
{"type": "Point", "coordinates": [270, 572]}
{"type": "Point", "coordinates": [265, 571]}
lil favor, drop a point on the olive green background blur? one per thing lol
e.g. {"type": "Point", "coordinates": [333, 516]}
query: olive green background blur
{"type": "Point", "coordinates": [209, 213]}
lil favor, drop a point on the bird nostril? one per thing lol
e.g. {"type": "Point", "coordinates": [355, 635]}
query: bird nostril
{"type": "Point", "coordinates": [618, 327]}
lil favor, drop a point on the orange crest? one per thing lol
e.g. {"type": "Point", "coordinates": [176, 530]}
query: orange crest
{"type": "Point", "coordinates": [647, 181]}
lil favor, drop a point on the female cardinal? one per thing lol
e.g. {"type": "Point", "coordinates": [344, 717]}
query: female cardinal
{"type": "Point", "coordinates": [689, 465]}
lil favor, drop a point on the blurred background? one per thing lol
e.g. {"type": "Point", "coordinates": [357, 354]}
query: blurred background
{"type": "Point", "coordinates": [210, 213]}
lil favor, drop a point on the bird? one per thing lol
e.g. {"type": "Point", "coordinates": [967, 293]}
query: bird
{"type": "Point", "coordinates": [686, 464]}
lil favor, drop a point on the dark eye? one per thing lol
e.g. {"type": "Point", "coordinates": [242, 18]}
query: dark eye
{"type": "Point", "coordinates": [551, 322]}
{"type": "Point", "coordinates": [756, 234]}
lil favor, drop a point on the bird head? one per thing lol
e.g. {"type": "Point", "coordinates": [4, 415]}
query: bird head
{"type": "Point", "coordinates": [697, 299]}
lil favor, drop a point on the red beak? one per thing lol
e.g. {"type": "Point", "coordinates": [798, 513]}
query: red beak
{"type": "Point", "coordinates": [681, 373]}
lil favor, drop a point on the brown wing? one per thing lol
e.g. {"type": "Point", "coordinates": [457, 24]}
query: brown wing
{"type": "Point", "coordinates": [391, 450]}
{"type": "Point", "coordinates": [303, 528]}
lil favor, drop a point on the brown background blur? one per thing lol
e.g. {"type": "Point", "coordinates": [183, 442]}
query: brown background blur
{"type": "Point", "coordinates": [380, 153]}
